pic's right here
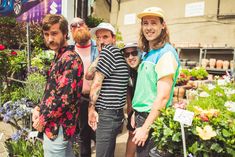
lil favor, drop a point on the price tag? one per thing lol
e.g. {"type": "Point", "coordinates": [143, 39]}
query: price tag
{"type": "Point", "coordinates": [183, 116]}
{"type": "Point", "coordinates": [33, 134]}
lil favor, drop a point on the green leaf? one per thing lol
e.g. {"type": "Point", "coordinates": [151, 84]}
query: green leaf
{"type": "Point", "coordinates": [176, 137]}
{"type": "Point", "coordinates": [194, 148]}
{"type": "Point", "coordinates": [216, 147]}
{"type": "Point", "coordinates": [226, 133]}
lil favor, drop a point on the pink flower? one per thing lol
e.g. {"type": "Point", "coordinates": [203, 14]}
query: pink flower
{"type": "Point", "coordinates": [2, 47]}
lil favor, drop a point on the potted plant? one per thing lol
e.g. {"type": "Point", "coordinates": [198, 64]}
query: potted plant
{"type": "Point", "coordinates": [213, 126]}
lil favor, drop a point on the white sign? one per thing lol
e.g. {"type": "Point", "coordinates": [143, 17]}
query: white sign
{"type": "Point", "coordinates": [1, 135]}
{"type": "Point", "coordinates": [195, 9]}
{"type": "Point", "coordinates": [33, 134]}
{"type": "Point", "coordinates": [130, 19]}
{"type": "Point", "coordinates": [183, 116]}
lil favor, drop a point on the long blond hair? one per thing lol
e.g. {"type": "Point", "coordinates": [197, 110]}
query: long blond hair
{"type": "Point", "coordinates": [158, 42]}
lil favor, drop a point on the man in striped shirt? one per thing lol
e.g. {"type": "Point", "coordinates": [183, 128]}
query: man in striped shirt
{"type": "Point", "coordinates": [108, 91]}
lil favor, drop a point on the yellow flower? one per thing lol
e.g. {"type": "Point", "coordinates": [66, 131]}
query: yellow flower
{"type": "Point", "coordinates": [206, 133]}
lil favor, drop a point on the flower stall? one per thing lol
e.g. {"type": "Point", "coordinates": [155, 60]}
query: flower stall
{"type": "Point", "coordinates": [20, 90]}
{"type": "Point", "coordinates": [212, 133]}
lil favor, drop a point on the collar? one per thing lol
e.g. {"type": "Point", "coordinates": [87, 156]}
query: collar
{"type": "Point", "coordinates": [83, 47]}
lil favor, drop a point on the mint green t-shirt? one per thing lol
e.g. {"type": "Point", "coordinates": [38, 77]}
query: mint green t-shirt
{"type": "Point", "coordinates": [154, 65]}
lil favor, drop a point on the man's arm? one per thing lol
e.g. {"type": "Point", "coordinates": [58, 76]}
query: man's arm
{"type": "Point", "coordinates": [94, 94]}
{"type": "Point", "coordinates": [92, 69]}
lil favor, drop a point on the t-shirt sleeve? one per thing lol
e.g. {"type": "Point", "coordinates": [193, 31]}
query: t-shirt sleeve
{"type": "Point", "coordinates": [107, 63]}
{"type": "Point", "coordinates": [166, 65]}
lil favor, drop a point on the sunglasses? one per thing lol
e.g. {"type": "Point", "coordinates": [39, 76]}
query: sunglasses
{"type": "Point", "coordinates": [77, 24]}
{"type": "Point", "coordinates": [127, 54]}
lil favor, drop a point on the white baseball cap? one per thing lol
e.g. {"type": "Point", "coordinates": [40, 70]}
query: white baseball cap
{"type": "Point", "coordinates": [128, 45]}
{"type": "Point", "coordinates": [103, 25]}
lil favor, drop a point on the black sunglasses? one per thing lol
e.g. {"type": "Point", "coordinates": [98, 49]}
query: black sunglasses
{"type": "Point", "coordinates": [133, 53]}
{"type": "Point", "coordinates": [77, 24]}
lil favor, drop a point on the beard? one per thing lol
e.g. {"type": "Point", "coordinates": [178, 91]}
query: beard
{"type": "Point", "coordinates": [82, 36]}
{"type": "Point", "coordinates": [56, 45]}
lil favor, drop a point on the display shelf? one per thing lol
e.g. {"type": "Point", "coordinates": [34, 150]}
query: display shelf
{"type": "Point", "coordinates": [218, 71]}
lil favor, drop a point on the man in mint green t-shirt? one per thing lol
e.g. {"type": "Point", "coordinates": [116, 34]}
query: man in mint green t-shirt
{"type": "Point", "coordinates": [157, 76]}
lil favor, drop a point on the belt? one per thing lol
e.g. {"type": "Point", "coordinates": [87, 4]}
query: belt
{"type": "Point", "coordinates": [111, 110]}
{"type": "Point", "coordinates": [142, 114]}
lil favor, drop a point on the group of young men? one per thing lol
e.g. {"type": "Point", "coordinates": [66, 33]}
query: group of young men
{"type": "Point", "coordinates": [90, 83]}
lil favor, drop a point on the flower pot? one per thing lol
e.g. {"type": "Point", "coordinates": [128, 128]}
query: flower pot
{"type": "Point", "coordinates": [219, 64]}
{"type": "Point", "coordinates": [212, 62]}
{"type": "Point", "coordinates": [156, 153]}
{"type": "Point", "coordinates": [225, 65]}
{"type": "Point", "coordinates": [231, 64]}
{"type": "Point", "coordinates": [179, 92]}
{"type": "Point", "coordinates": [205, 62]}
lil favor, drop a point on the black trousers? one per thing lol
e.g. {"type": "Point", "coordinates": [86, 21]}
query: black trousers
{"type": "Point", "coordinates": [86, 132]}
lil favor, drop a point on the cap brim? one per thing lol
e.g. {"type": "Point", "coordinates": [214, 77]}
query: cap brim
{"type": "Point", "coordinates": [149, 14]}
{"type": "Point", "coordinates": [93, 30]}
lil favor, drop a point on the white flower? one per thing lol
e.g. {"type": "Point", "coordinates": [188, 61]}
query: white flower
{"type": "Point", "coordinates": [204, 94]}
{"type": "Point", "coordinates": [210, 86]}
{"type": "Point", "coordinates": [230, 105]}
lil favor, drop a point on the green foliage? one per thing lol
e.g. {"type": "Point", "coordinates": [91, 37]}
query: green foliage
{"type": "Point", "coordinates": [24, 147]}
{"type": "Point", "coordinates": [13, 34]}
{"type": "Point", "coordinates": [92, 21]}
{"type": "Point", "coordinates": [34, 87]}
{"type": "Point", "coordinates": [209, 110]}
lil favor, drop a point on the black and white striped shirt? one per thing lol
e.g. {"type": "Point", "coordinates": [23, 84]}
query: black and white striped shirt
{"type": "Point", "coordinates": [114, 87]}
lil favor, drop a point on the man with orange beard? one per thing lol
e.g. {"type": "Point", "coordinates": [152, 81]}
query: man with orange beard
{"type": "Point", "coordinates": [86, 48]}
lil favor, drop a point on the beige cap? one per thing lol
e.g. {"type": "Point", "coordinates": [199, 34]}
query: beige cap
{"type": "Point", "coordinates": [152, 11]}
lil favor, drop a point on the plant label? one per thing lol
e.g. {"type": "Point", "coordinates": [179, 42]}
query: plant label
{"type": "Point", "coordinates": [32, 134]}
{"type": "Point", "coordinates": [183, 116]}
{"type": "Point", "coordinates": [1, 135]}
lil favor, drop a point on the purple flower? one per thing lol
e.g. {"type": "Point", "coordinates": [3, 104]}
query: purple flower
{"type": "Point", "coordinates": [16, 136]}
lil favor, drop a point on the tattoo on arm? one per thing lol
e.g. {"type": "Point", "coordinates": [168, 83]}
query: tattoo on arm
{"type": "Point", "coordinates": [96, 87]}
{"type": "Point", "coordinates": [92, 69]}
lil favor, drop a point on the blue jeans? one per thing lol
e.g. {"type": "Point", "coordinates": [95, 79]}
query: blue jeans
{"type": "Point", "coordinates": [149, 144]}
{"type": "Point", "coordinates": [109, 125]}
{"type": "Point", "coordinates": [57, 147]}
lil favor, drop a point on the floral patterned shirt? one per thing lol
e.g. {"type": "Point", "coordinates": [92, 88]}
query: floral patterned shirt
{"type": "Point", "coordinates": [61, 100]}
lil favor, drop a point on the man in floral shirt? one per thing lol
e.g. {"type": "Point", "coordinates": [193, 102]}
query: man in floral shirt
{"type": "Point", "coordinates": [59, 108]}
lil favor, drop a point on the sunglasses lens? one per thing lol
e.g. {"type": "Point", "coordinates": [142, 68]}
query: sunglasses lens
{"type": "Point", "coordinates": [73, 25]}
{"type": "Point", "coordinates": [126, 55]}
{"type": "Point", "coordinates": [134, 53]}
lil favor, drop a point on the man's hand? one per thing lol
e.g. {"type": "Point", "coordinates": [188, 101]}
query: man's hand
{"type": "Point", "coordinates": [141, 135]}
{"type": "Point", "coordinates": [36, 112]}
{"type": "Point", "coordinates": [93, 117]}
{"type": "Point", "coordinates": [37, 125]}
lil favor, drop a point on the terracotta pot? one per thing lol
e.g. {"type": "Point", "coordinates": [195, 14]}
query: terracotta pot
{"type": "Point", "coordinates": [225, 65]}
{"type": "Point", "coordinates": [219, 64]}
{"type": "Point", "coordinates": [231, 64]}
{"type": "Point", "coordinates": [205, 62]}
{"type": "Point", "coordinates": [212, 62]}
